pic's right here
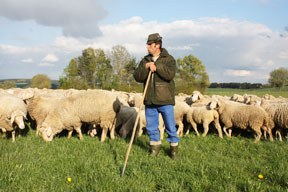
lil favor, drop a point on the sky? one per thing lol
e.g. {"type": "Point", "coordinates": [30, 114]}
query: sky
{"type": "Point", "coordinates": [236, 40]}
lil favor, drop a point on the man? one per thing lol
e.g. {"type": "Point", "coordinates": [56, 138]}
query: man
{"type": "Point", "coordinates": [160, 96]}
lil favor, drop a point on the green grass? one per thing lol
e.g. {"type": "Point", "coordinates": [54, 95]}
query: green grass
{"type": "Point", "coordinates": [204, 164]}
{"type": "Point", "coordinates": [259, 92]}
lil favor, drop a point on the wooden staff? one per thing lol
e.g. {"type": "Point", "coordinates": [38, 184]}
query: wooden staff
{"type": "Point", "coordinates": [135, 125]}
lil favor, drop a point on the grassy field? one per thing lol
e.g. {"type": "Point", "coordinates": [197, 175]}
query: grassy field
{"type": "Point", "coordinates": [204, 164]}
{"type": "Point", "coordinates": [283, 92]}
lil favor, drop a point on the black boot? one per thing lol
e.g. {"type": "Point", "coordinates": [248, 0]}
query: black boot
{"type": "Point", "coordinates": [155, 150]}
{"type": "Point", "coordinates": [174, 152]}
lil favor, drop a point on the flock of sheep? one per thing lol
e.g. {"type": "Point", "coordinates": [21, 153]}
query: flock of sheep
{"type": "Point", "coordinates": [50, 112]}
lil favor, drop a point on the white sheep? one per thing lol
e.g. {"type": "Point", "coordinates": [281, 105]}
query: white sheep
{"type": "Point", "coordinates": [13, 111]}
{"type": "Point", "coordinates": [243, 117]}
{"type": "Point", "coordinates": [237, 98]}
{"type": "Point", "coordinates": [181, 109]}
{"type": "Point", "coordinates": [203, 115]}
{"type": "Point", "coordinates": [199, 99]}
{"type": "Point", "coordinates": [39, 106]}
{"type": "Point", "coordinates": [97, 107]}
{"type": "Point", "coordinates": [278, 112]}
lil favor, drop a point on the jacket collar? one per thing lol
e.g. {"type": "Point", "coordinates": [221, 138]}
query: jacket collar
{"type": "Point", "coordinates": [164, 53]}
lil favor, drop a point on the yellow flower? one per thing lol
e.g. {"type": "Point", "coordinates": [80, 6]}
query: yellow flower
{"type": "Point", "coordinates": [69, 179]}
{"type": "Point", "coordinates": [260, 176]}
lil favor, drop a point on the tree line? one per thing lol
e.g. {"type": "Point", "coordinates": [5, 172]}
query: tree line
{"type": "Point", "coordinates": [96, 69]}
{"type": "Point", "coordinates": [114, 70]}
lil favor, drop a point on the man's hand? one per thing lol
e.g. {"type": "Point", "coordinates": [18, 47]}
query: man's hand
{"type": "Point", "coordinates": [151, 65]}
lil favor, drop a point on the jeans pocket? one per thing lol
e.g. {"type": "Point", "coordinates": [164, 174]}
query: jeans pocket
{"type": "Point", "coordinates": [163, 92]}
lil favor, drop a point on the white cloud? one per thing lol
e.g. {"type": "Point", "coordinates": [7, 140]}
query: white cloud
{"type": "Point", "coordinates": [27, 60]}
{"type": "Point", "coordinates": [50, 58]}
{"type": "Point", "coordinates": [76, 18]}
{"type": "Point", "coordinates": [46, 65]}
{"type": "Point", "coordinates": [247, 51]}
{"type": "Point", "coordinates": [240, 73]}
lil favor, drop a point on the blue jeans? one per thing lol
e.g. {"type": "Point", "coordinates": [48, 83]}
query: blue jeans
{"type": "Point", "coordinates": [152, 122]}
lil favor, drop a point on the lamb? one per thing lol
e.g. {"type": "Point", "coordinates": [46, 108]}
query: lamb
{"type": "Point", "coordinates": [243, 117]}
{"type": "Point", "coordinates": [203, 115]}
{"type": "Point", "coordinates": [13, 111]}
{"type": "Point", "coordinates": [97, 107]}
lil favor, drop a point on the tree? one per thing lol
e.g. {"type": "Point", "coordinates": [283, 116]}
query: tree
{"type": "Point", "coordinates": [90, 70]}
{"type": "Point", "coordinates": [8, 84]}
{"type": "Point", "coordinates": [72, 78]}
{"type": "Point", "coordinates": [41, 81]}
{"type": "Point", "coordinates": [278, 77]}
{"type": "Point", "coordinates": [191, 75]}
{"type": "Point", "coordinates": [120, 58]}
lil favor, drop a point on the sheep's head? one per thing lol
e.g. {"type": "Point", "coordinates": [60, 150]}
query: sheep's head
{"type": "Point", "coordinates": [46, 133]}
{"type": "Point", "coordinates": [214, 104]}
{"type": "Point", "coordinates": [196, 95]}
{"type": "Point", "coordinates": [18, 118]}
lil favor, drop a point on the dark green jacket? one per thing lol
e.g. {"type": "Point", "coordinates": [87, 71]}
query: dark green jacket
{"type": "Point", "coordinates": [161, 88]}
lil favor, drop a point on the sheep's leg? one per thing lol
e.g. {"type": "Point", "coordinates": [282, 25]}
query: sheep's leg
{"type": "Point", "coordinates": [269, 131]}
{"type": "Point", "coordinates": [279, 134]}
{"type": "Point", "coordinates": [13, 136]}
{"type": "Point", "coordinates": [226, 133]}
{"type": "Point", "coordinates": [78, 130]}
{"type": "Point", "coordinates": [180, 129]}
{"type": "Point", "coordinates": [194, 125]}
{"type": "Point", "coordinates": [112, 132]}
{"type": "Point", "coordinates": [270, 135]}
{"type": "Point", "coordinates": [161, 129]}
{"type": "Point", "coordinates": [140, 131]}
{"type": "Point", "coordinates": [104, 134]}
{"type": "Point", "coordinates": [206, 129]}
{"type": "Point", "coordinates": [3, 133]}
{"type": "Point", "coordinates": [258, 135]}
{"type": "Point", "coordinates": [218, 127]}
{"type": "Point", "coordinates": [70, 134]}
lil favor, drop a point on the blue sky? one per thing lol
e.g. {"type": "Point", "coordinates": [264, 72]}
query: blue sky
{"type": "Point", "coordinates": [237, 40]}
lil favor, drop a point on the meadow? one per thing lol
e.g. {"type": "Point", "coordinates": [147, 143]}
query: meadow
{"type": "Point", "coordinates": [204, 164]}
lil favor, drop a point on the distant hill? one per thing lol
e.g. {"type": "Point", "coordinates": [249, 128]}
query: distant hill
{"type": "Point", "coordinates": [24, 83]}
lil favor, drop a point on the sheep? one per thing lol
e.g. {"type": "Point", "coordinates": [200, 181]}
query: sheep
{"type": "Point", "coordinates": [135, 99]}
{"type": "Point", "coordinates": [181, 109]}
{"type": "Point", "coordinates": [199, 99]}
{"type": "Point", "coordinates": [125, 120]}
{"type": "Point", "coordinates": [97, 107]}
{"type": "Point", "coordinates": [243, 117]}
{"type": "Point", "coordinates": [39, 107]}
{"type": "Point", "coordinates": [278, 112]}
{"type": "Point", "coordinates": [237, 98]}
{"type": "Point", "coordinates": [203, 115]}
{"type": "Point", "coordinates": [13, 111]}
{"type": "Point", "coordinates": [251, 99]}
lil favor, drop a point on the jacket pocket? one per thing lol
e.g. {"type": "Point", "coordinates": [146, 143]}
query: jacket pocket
{"type": "Point", "coordinates": [163, 92]}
